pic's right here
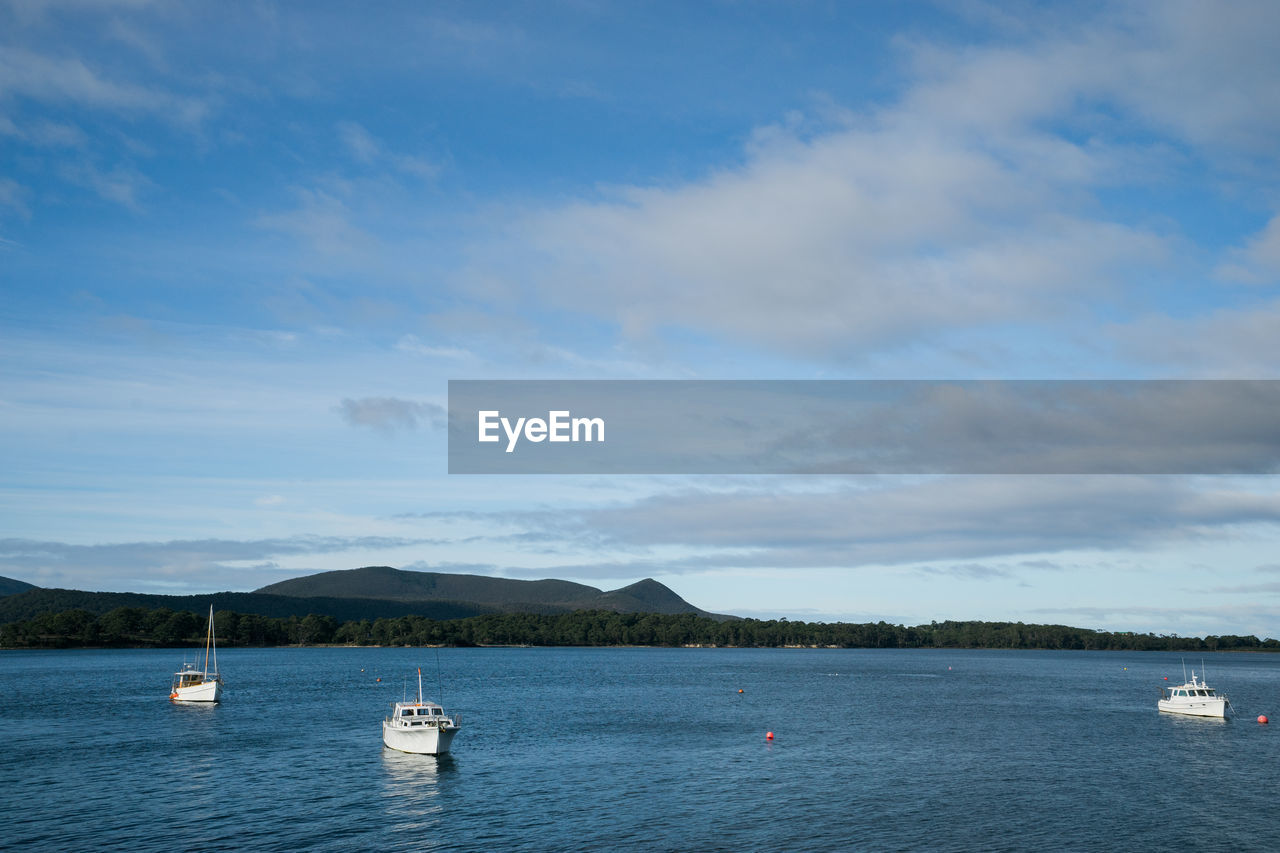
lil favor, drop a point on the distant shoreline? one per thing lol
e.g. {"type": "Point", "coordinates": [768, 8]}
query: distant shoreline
{"type": "Point", "coordinates": [295, 646]}
{"type": "Point", "coordinates": [136, 627]}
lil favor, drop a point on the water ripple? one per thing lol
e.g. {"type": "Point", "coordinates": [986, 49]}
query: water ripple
{"type": "Point", "coordinates": [635, 749]}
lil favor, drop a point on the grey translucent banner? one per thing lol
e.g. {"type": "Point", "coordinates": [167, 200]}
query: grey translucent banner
{"type": "Point", "coordinates": [864, 427]}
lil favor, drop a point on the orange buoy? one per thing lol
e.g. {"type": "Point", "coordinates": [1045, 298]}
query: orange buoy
{"type": "Point", "coordinates": [739, 689]}
{"type": "Point", "coordinates": [379, 679]}
{"type": "Point", "coordinates": [1262, 718]}
{"type": "Point", "coordinates": [768, 736]}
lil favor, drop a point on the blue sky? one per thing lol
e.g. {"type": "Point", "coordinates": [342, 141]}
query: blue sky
{"type": "Point", "coordinates": [243, 247]}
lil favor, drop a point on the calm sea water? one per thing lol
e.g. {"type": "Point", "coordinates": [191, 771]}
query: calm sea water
{"type": "Point", "coordinates": [642, 749]}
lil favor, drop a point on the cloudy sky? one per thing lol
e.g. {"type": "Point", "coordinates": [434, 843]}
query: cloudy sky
{"type": "Point", "coordinates": [244, 246]}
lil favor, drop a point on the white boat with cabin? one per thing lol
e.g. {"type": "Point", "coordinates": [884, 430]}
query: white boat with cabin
{"type": "Point", "coordinates": [1194, 698]}
{"type": "Point", "coordinates": [419, 727]}
{"type": "Point", "coordinates": [199, 685]}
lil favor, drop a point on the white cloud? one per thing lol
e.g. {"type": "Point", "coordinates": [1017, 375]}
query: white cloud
{"type": "Point", "coordinates": [44, 133]}
{"type": "Point", "coordinates": [1199, 72]}
{"type": "Point", "coordinates": [414, 345]}
{"type": "Point", "coordinates": [121, 185]}
{"type": "Point", "coordinates": [13, 195]}
{"type": "Point", "coordinates": [325, 224]}
{"type": "Point", "coordinates": [370, 152]}
{"type": "Point", "coordinates": [1258, 260]}
{"type": "Point", "coordinates": [973, 202]}
{"type": "Point", "coordinates": [48, 79]}
{"type": "Point", "coordinates": [1226, 343]}
{"type": "Point", "coordinates": [359, 142]}
{"type": "Point", "coordinates": [853, 241]}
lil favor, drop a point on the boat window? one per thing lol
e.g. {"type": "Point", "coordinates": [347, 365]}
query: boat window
{"type": "Point", "coordinates": [424, 712]}
{"type": "Point", "coordinates": [407, 712]}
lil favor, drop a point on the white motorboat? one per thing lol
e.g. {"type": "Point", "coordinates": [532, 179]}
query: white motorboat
{"type": "Point", "coordinates": [1194, 698]}
{"type": "Point", "coordinates": [199, 685]}
{"type": "Point", "coordinates": [419, 727]}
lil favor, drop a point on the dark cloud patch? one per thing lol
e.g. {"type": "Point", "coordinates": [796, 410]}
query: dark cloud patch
{"type": "Point", "coordinates": [969, 526]}
{"type": "Point", "coordinates": [179, 564]}
{"type": "Point", "coordinates": [944, 519]}
{"type": "Point", "coordinates": [388, 414]}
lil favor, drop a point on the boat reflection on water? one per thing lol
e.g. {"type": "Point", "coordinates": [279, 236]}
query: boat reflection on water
{"type": "Point", "coordinates": [1193, 721]}
{"type": "Point", "coordinates": [412, 788]}
{"type": "Point", "coordinates": [196, 708]}
{"type": "Point", "coordinates": [410, 769]}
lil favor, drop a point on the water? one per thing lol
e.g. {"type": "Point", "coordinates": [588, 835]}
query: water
{"type": "Point", "coordinates": [641, 749]}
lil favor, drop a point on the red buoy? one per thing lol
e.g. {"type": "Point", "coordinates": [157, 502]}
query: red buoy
{"type": "Point", "coordinates": [768, 736]}
{"type": "Point", "coordinates": [1262, 718]}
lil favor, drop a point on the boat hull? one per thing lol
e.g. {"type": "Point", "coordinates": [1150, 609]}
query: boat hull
{"type": "Point", "coordinates": [427, 740]}
{"type": "Point", "coordinates": [1206, 708]}
{"type": "Point", "coordinates": [209, 691]}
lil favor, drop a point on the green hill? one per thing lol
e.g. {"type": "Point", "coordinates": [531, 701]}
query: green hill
{"type": "Point", "coordinates": [9, 586]}
{"type": "Point", "coordinates": [646, 596]}
{"type": "Point", "coordinates": [33, 602]}
{"type": "Point", "coordinates": [373, 592]}
{"type": "Point", "coordinates": [499, 594]}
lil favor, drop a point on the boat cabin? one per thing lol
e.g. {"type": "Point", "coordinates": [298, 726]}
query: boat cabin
{"type": "Point", "coordinates": [1191, 692]}
{"type": "Point", "coordinates": [420, 715]}
{"type": "Point", "coordinates": [190, 677]}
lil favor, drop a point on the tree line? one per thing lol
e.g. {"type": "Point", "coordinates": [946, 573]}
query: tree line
{"type": "Point", "coordinates": [134, 627]}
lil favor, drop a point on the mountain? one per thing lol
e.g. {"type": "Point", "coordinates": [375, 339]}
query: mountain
{"type": "Point", "coordinates": [500, 594]}
{"type": "Point", "coordinates": [33, 602]}
{"type": "Point", "coordinates": [370, 593]}
{"type": "Point", "coordinates": [646, 596]}
{"type": "Point", "coordinates": [9, 586]}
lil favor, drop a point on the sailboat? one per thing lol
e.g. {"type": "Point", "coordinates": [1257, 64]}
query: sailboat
{"type": "Point", "coordinates": [199, 685]}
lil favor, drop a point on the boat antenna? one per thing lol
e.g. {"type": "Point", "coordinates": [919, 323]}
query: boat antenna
{"type": "Point", "coordinates": [1184, 670]}
{"type": "Point", "coordinates": [419, 685]}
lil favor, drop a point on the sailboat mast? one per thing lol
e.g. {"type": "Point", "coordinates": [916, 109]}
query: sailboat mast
{"type": "Point", "coordinates": [213, 639]}
{"type": "Point", "coordinates": [207, 637]}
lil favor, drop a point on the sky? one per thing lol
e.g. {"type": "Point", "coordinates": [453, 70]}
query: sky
{"type": "Point", "coordinates": [244, 246]}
